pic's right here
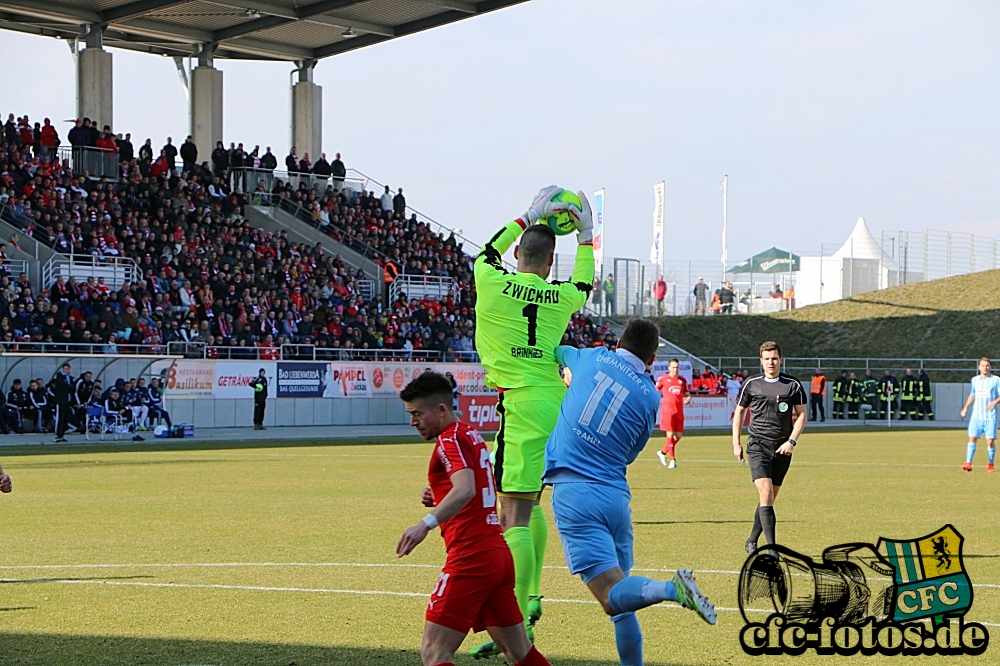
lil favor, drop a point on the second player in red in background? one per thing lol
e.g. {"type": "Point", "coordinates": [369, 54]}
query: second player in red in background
{"type": "Point", "coordinates": [675, 394]}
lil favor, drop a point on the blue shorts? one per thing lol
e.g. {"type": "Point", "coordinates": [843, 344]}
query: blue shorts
{"type": "Point", "coordinates": [983, 428]}
{"type": "Point", "coordinates": [595, 527]}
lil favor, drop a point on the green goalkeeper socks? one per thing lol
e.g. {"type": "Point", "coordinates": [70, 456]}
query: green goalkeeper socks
{"type": "Point", "coordinates": [523, 551]}
{"type": "Point", "coordinates": [540, 538]}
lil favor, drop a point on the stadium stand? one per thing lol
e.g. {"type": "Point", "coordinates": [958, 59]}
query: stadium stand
{"type": "Point", "coordinates": [171, 263]}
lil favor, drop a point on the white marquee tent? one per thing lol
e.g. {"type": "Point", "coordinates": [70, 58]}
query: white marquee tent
{"type": "Point", "coordinates": [859, 266]}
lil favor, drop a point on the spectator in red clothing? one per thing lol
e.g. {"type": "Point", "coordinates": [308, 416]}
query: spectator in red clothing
{"type": "Point", "coordinates": [659, 294]}
{"type": "Point", "coordinates": [49, 139]}
{"type": "Point", "coordinates": [106, 142]}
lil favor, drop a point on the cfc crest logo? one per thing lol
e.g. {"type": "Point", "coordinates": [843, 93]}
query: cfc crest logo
{"type": "Point", "coordinates": [905, 597]}
{"type": "Point", "coordinates": [929, 576]}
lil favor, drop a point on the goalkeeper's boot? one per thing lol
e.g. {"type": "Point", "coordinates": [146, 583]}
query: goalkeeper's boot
{"type": "Point", "coordinates": [751, 546]}
{"type": "Point", "coordinates": [967, 467]}
{"type": "Point", "coordinates": [673, 463]}
{"type": "Point", "coordinates": [534, 609]}
{"type": "Point", "coordinates": [689, 596]}
{"type": "Point", "coordinates": [490, 649]}
{"type": "Point", "coordinates": [663, 457]}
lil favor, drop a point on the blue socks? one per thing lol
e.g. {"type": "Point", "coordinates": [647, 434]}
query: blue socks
{"type": "Point", "coordinates": [628, 639]}
{"type": "Point", "coordinates": [991, 451]}
{"type": "Point", "coordinates": [635, 592]}
{"type": "Point", "coordinates": [970, 451]}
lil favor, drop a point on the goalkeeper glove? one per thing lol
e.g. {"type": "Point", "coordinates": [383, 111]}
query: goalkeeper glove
{"type": "Point", "coordinates": [542, 205]}
{"type": "Point", "coordinates": [584, 220]}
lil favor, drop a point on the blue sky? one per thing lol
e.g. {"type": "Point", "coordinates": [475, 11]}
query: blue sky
{"type": "Point", "coordinates": [818, 112]}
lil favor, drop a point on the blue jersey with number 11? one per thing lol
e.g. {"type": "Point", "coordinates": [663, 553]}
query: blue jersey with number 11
{"type": "Point", "coordinates": [605, 419]}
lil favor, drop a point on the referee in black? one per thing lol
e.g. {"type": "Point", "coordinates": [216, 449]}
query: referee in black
{"type": "Point", "coordinates": [772, 397]}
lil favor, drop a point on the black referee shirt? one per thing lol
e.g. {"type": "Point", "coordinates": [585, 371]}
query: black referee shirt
{"type": "Point", "coordinates": [771, 403]}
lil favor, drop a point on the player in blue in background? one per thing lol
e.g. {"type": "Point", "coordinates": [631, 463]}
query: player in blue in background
{"type": "Point", "coordinates": [984, 397]}
{"type": "Point", "coordinates": [605, 421]}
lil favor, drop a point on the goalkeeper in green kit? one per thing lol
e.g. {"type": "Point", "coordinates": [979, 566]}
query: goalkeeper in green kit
{"type": "Point", "coordinates": [520, 319]}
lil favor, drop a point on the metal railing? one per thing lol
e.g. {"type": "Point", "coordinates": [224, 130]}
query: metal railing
{"type": "Point", "coordinates": [931, 254]}
{"type": "Point", "coordinates": [89, 349]}
{"type": "Point", "coordinates": [799, 365]}
{"type": "Point", "coordinates": [355, 181]}
{"type": "Point", "coordinates": [308, 352]}
{"type": "Point", "coordinates": [334, 231]}
{"type": "Point", "coordinates": [248, 179]}
{"type": "Point", "coordinates": [470, 248]}
{"type": "Point", "coordinates": [13, 267]}
{"type": "Point", "coordinates": [302, 352]}
{"type": "Point", "coordinates": [201, 351]}
{"type": "Point", "coordinates": [13, 217]}
{"type": "Point", "coordinates": [116, 271]}
{"type": "Point", "coordinates": [422, 286]}
{"type": "Point", "coordinates": [94, 162]}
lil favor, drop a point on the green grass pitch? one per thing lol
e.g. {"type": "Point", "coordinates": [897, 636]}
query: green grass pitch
{"type": "Point", "coordinates": [285, 555]}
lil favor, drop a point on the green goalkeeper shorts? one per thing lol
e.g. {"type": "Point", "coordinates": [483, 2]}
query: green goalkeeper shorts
{"type": "Point", "coordinates": [527, 418]}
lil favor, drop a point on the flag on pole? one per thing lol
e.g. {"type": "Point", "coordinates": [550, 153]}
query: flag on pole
{"type": "Point", "coordinates": [656, 251]}
{"type": "Point", "coordinates": [598, 230]}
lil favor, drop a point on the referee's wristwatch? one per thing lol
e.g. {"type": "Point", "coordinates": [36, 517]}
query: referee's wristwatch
{"type": "Point", "coordinates": [791, 441]}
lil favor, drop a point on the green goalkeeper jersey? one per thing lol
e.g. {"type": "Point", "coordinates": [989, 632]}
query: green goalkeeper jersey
{"type": "Point", "coordinates": [521, 318]}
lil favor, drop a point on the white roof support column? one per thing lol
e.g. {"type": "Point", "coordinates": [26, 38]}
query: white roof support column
{"type": "Point", "coordinates": [307, 112]}
{"type": "Point", "coordinates": [94, 79]}
{"type": "Point", "coordinates": [206, 102]}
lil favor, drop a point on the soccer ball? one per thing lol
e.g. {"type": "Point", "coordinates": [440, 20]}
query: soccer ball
{"type": "Point", "coordinates": [563, 223]}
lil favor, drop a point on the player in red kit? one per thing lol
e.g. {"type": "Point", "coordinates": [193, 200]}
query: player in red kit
{"type": "Point", "coordinates": [476, 587]}
{"type": "Point", "coordinates": [676, 394]}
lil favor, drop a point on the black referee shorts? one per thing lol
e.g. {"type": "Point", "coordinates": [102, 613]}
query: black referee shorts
{"type": "Point", "coordinates": [765, 463]}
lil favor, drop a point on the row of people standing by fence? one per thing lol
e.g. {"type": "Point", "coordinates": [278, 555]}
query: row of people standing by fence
{"type": "Point", "coordinates": [906, 398]}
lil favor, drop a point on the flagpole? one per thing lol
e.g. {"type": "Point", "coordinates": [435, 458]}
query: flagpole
{"type": "Point", "coordinates": [725, 224]}
{"type": "Point", "coordinates": [663, 251]}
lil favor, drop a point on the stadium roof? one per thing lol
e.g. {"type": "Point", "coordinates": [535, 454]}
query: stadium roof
{"type": "Point", "coordinates": [245, 29]}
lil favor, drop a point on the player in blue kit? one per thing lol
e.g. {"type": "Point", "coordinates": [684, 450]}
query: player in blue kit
{"type": "Point", "coordinates": [604, 422]}
{"type": "Point", "coordinates": [983, 398]}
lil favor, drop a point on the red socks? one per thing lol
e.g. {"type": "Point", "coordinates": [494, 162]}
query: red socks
{"type": "Point", "coordinates": [669, 448]}
{"type": "Point", "coordinates": [533, 658]}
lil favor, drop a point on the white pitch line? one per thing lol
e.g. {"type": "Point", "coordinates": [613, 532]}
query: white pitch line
{"type": "Point", "coordinates": [322, 590]}
{"type": "Point", "coordinates": [209, 565]}
{"type": "Point", "coordinates": [816, 462]}
{"type": "Point", "coordinates": [358, 565]}
{"type": "Point", "coordinates": [306, 590]}
{"type": "Point", "coordinates": [690, 460]}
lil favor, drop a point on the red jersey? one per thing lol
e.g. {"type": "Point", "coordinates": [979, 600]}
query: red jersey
{"type": "Point", "coordinates": [673, 390]}
{"type": "Point", "coordinates": [476, 527]}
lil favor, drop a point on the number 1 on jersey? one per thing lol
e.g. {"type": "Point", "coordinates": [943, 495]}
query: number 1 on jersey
{"type": "Point", "coordinates": [530, 312]}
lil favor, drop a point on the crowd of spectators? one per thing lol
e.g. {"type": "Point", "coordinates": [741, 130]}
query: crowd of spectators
{"type": "Point", "coordinates": [206, 275]}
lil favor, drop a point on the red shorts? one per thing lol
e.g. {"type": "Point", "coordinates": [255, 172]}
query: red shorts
{"type": "Point", "coordinates": [672, 422]}
{"type": "Point", "coordinates": [476, 593]}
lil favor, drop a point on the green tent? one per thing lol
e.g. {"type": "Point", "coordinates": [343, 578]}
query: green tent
{"type": "Point", "coordinates": [768, 261]}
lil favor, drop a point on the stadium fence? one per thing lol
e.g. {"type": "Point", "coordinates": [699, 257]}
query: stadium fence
{"type": "Point", "coordinates": [925, 255]}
